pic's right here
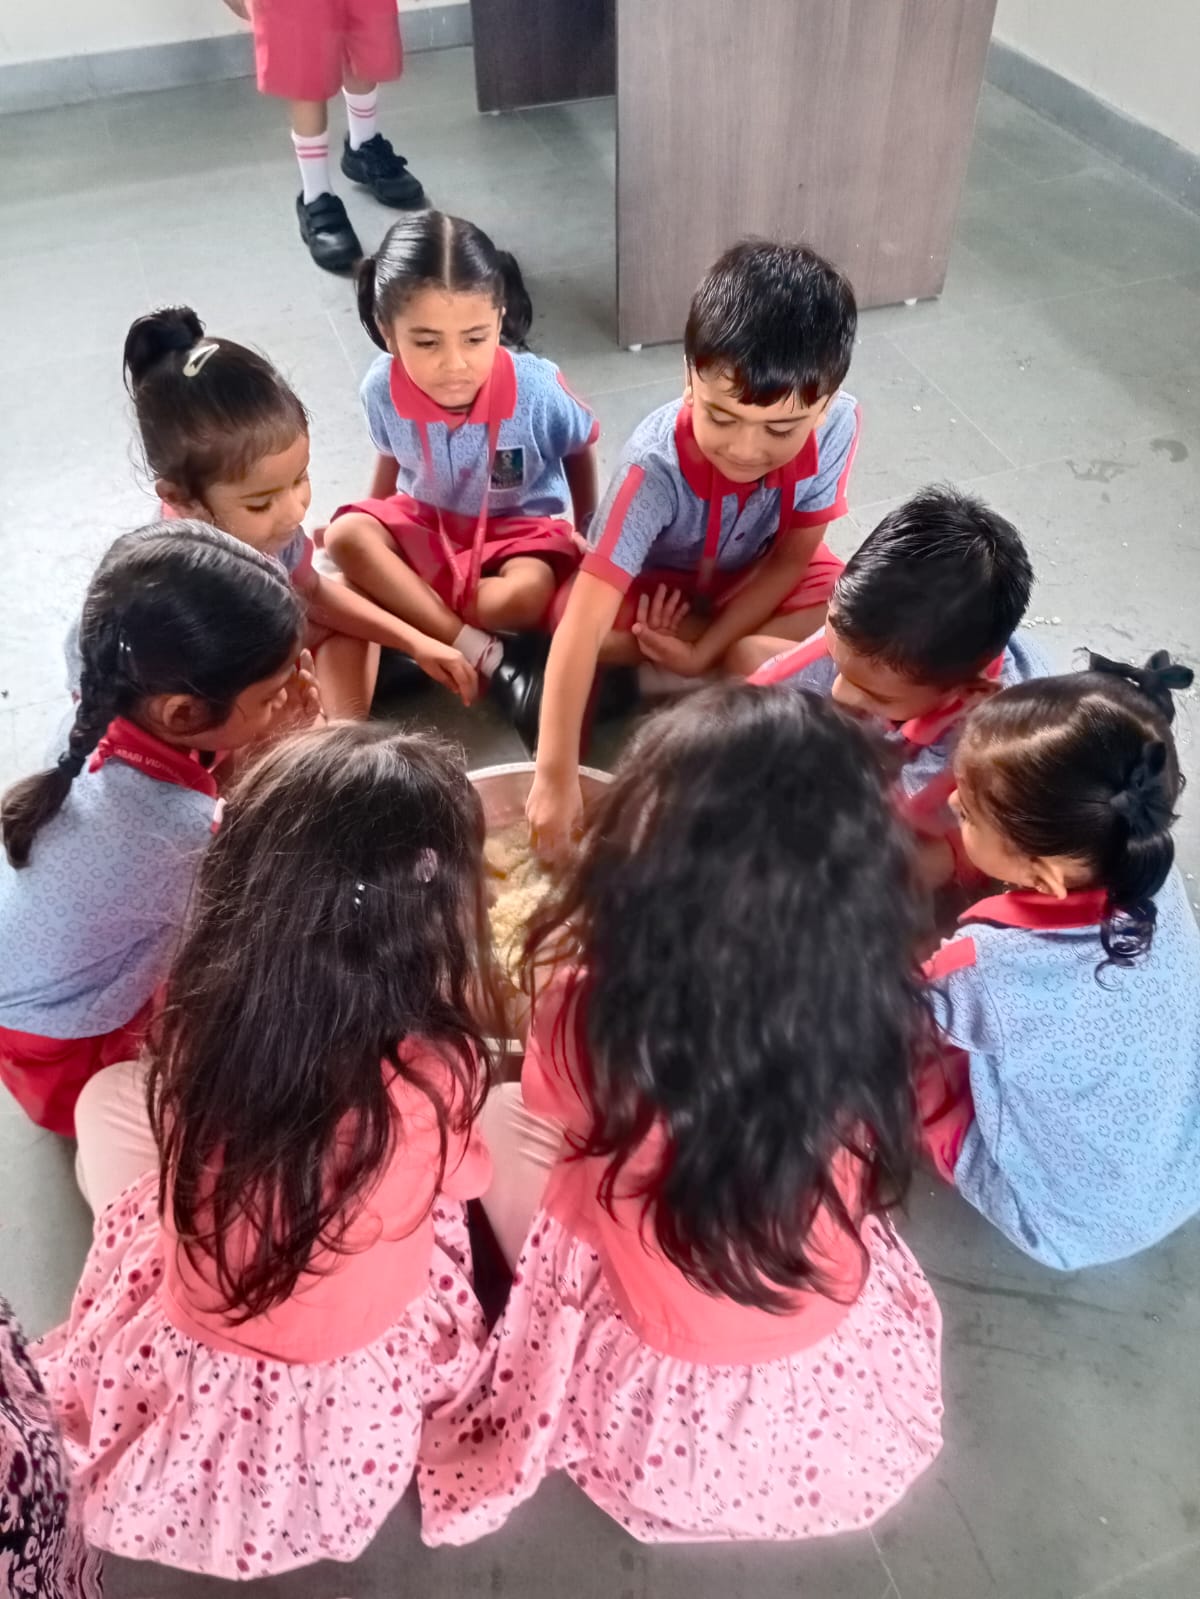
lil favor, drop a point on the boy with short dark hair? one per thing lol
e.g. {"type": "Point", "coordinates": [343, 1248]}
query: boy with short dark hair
{"type": "Point", "coordinates": [711, 530]}
{"type": "Point", "coordinates": [922, 625]}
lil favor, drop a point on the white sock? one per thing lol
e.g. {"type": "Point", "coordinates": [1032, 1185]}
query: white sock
{"type": "Point", "coordinates": [483, 650]}
{"type": "Point", "coordinates": [656, 680]}
{"type": "Point", "coordinates": [361, 111]}
{"type": "Point", "coordinates": [312, 157]}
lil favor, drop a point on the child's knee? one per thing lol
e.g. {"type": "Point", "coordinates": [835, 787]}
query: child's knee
{"type": "Point", "coordinates": [349, 535]}
{"type": "Point", "coordinates": [518, 597]}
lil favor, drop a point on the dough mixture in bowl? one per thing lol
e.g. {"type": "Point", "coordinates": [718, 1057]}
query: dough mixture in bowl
{"type": "Point", "coordinates": [519, 884]}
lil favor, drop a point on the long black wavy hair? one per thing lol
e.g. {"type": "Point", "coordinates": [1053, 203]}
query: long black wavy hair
{"type": "Point", "coordinates": [742, 937]}
{"type": "Point", "coordinates": [340, 911]}
{"type": "Point", "coordinates": [1084, 765]}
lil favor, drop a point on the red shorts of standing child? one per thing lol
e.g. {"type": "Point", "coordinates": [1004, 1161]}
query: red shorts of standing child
{"type": "Point", "coordinates": [303, 49]}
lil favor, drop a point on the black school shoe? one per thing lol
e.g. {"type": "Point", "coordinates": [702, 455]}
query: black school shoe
{"type": "Point", "coordinates": [325, 228]}
{"type": "Point", "coordinates": [377, 167]}
{"type": "Point", "coordinates": [616, 692]}
{"type": "Point", "coordinates": [516, 684]}
{"type": "Point", "coordinates": [398, 675]}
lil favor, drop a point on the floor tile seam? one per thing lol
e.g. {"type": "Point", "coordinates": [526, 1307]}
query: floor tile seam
{"type": "Point", "coordinates": [623, 388]}
{"type": "Point", "coordinates": [950, 400]}
{"type": "Point", "coordinates": [1034, 301]}
{"type": "Point", "coordinates": [1103, 163]}
{"type": "Point", "coordinates": [1065, 459]}
{"type": "Point", "coordinates": [532, 127]}
{"type": "Point", "coordinates": [1113, 1584]}
{"type": "Point", "coordinates": [331, 322]}
{"type": "Point", "coordinates": [893, 1586]}
{"type": "Point", "coordinates": [1099, 162]}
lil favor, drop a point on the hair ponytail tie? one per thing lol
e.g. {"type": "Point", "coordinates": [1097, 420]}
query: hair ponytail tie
{"type": "Point", "coordinates": [1158, 679]}
{"type": "Point", "coordinates": [1142, 801]}
{"type": "Point", "coordinates": [71, 762]}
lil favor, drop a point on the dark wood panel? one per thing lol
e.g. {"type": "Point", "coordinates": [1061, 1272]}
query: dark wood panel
{"type": "Point", "coordinates": [537, 52]}
{"type": "Point", "coordinates": [845, 123]}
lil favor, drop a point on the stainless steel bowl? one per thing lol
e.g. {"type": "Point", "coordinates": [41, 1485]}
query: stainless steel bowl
{"type": "Point", "coordinates": [504, 790]}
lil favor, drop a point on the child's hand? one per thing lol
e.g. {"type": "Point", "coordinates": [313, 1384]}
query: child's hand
{"type": "Point", "coordinates": [303, 706]}
{"type": "Point", "coordinates": [240, 8]}
{"type": "Point", "coordinates": [664, 612]}
{"type": "Point", "coordinates": [449, 667]}
{"type": "Point", "coordinates": [660, 631]}
{"type": "Point", "coordinates": [554, 811]}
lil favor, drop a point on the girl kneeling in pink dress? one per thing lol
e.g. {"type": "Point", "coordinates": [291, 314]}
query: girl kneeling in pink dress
{"type": "Point", "coordinates": [267, 1315]}
{"type": "Point", "coordinates": [713, 1327]}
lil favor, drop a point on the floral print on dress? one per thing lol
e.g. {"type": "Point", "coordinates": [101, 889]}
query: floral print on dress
{"type": "Point", "coordinates": [228, 1464]}
{"type": "Point", "coordinates": [820, 1441]}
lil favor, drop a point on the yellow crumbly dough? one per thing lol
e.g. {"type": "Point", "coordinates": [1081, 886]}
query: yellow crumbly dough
{"type": "Point", "coordinates": [521, 884]}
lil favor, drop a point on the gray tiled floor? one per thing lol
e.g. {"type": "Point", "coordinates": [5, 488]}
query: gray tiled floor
{"type": "Point", "coordinates": [1059, 375]}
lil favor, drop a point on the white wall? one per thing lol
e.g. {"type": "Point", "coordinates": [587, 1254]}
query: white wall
{"type": "Point", "coordinates": [1143, 58]}
{"type": "Point", "coordinates": [35, 30]}
{"type": "Point", "coordinates": [31, 30]}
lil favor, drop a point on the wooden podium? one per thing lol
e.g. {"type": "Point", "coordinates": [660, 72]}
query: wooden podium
{"type": "Point", "coordinates": [845, 123]}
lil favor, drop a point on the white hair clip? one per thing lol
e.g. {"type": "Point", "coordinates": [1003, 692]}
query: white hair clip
{"type": "Point", "coordinates": [199, 356]}
{"type": "Point", "coordinates": [359, 890]}
{"type": "Point", "coordinates": [426, 867]}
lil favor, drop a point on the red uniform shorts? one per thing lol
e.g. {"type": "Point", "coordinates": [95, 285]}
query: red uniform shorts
{"type": "Point", "coordinates": [814, 588]}
{"type": "Point", "coordinates": [304, 48]}
{"type": "Point", "coordinates": [413, 527]}
{"type": "Point", "coordinates": [46, 1075]}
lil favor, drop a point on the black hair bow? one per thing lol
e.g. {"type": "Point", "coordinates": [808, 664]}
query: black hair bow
{"type": "Point", "coordinates": [1157, 680]}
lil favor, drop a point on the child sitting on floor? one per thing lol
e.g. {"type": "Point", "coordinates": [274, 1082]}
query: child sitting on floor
{"type": "Point", "coordinates": [718, 506]}
{"type": "Point", "coordinates": [227, 441]}
{"type": "Point", "coordinates": [272, 1306]}
{"type": "Point", "coordinates": [481, 451]}
{"type": "Point", "coordinates": [189, 644]}
{"type": "Point", "coordinates": [921, 627]}
{"type": "Point", "coordinates": [713, 1327]}
{"type": "Point", "coordinates": [1072, 1121]}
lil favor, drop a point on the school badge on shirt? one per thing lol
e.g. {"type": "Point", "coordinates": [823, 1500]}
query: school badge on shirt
{"type": "Point", "coordinates": [508, 469]}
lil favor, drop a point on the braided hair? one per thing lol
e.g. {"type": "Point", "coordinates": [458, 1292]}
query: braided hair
{"type": "Point", "coordinates": [1084, 766]}
{"type": "Point", "coordinates": [174, 608]}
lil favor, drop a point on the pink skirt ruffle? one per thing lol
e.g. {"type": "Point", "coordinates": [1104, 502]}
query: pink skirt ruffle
{"type": "Point", "coordinates": [231, 1465]}
{"type": "Point", "coordinates": [821, 1441]}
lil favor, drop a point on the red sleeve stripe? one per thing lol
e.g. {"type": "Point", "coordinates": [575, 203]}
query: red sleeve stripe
{"type": "Point", "coordinates": [953, 957]}
{"type": "Point", "coordinates": [820, 515]}
{"type": "Point", "coordinates": [571, 394]}
{"type": "Point", "coordinates": [597, 565]}
{"type": "Point", "coordinates": [780, 667]}
{"type": "Point", "coordinates": [615, 526]}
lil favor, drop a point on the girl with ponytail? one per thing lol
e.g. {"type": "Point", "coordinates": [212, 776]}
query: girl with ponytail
{"type": "Point", "coordinates": [1072, 1117]}
{"type": "Point", "coordinates": [226, 441]}
{"type": "Point", "coordinates": [189, 645]}
{"type": "Point", "coordinates": [485, 456]}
